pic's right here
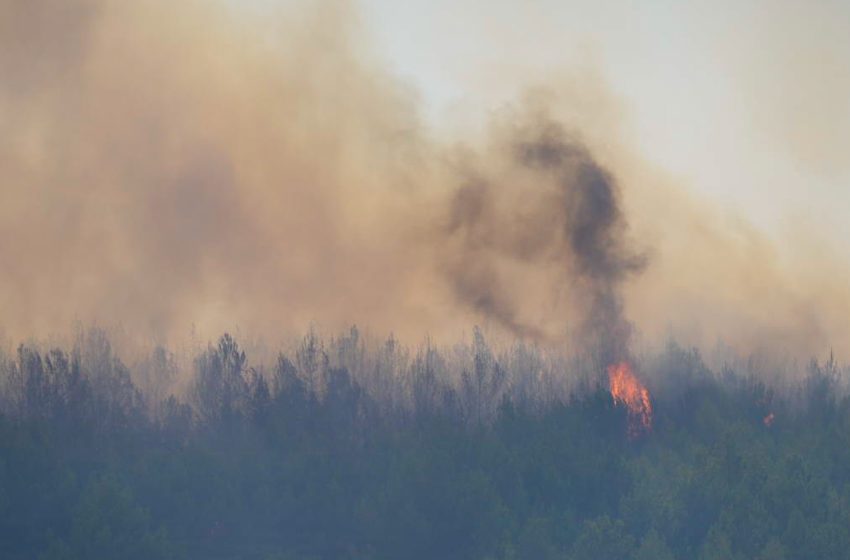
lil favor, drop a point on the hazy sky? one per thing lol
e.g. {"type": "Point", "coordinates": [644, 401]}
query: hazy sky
{"type": "Point", "coordinates": [746, 101]}
{"type": "Point", "coordinates": [420, 166]}
{"type": "Point", "coordinates": [746, 104]}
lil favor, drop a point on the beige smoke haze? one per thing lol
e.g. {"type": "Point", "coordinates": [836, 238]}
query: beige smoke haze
{"type": "Point", "coordinates": [164, 165]}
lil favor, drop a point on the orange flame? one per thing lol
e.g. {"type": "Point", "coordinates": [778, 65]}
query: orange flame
{"type": "Point", "coordinates": [627, 390]}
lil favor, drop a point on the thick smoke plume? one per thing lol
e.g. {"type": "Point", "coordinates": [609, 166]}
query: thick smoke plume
{"type": "Point", "coordinates": [565, 212]}
{"type": "Point", "coordinates": [168, 165]}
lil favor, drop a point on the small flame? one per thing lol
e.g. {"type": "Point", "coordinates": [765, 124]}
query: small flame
{"type": "Point", "coordinates": [627, 390]}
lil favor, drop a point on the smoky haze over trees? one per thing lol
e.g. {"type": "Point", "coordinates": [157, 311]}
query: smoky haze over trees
{"type": "Point", "coordinates": [349, 448]}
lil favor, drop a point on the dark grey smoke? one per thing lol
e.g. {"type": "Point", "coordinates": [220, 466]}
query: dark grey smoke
{"type": "Point", "coordinates": [575, 219]}
{"type": "Point", "coordinates": [475, 279]}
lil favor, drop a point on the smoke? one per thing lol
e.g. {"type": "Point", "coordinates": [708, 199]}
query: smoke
{"type": "Point", "coordinates": [164, 165]}
{"type": "Point", "coordinates": [554, 206]}
{"type": "Point", "coordinates": [168, 165]}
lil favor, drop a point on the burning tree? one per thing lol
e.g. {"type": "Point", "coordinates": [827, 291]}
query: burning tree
{"type": "Point", "coordinates": [627, 390]}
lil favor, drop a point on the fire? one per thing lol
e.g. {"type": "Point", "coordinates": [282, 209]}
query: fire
{"type": "Point", "coordinates": [627, 390]}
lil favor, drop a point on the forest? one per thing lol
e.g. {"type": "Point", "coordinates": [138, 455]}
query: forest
{"type": "Point", "coordinates": [347, 449]}
{"type": "Point", "coordinates": [643, 205]}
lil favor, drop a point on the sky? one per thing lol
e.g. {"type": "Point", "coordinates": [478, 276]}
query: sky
{"type": "Point", "coordinates": [745, 102]}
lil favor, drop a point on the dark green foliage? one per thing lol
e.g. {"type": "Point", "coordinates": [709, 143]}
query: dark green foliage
{"type": "Point", "coordinates": [335, 453]}
{"type": "Point", "coordinates": [107, 523]}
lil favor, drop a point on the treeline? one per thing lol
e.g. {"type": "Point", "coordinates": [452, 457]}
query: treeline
{"type": "Point", "coordinates": [343, 449]}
